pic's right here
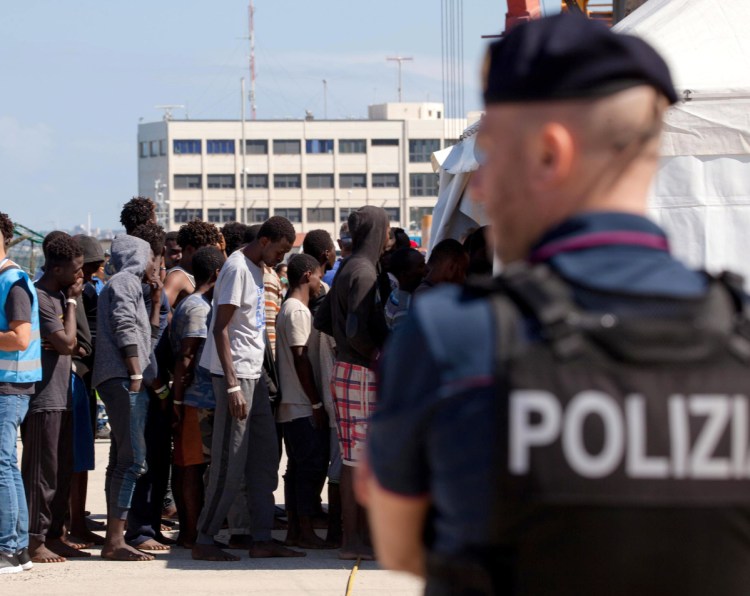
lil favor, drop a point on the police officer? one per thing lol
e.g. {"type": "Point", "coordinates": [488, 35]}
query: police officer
{"type": "Point", "coordinates": [580, 426]}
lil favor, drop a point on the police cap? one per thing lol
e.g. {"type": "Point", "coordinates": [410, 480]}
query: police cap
{"type": "Point", "coordinates": [570, 57]}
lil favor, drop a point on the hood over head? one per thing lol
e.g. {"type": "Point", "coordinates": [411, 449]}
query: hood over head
{"type": "Point", "coordinates": [368, 226]}
{"type": "Point", "coordinates": [130, 254]}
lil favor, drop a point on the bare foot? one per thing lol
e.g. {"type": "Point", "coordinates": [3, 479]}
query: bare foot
{"type": "Point", "coordinates": [270, 549]}
{"type": "Point", "coordinates": [361, 552]}
{"type": "Point", "coordinates": [39, 553]}
{"type": "Point", "coordinates": [125, 553]}
{"type": "Point", "coordinates": [209, 552]}
{"type": "Point", "coordinates": [240, 542]}
{"type": "Point", "coordinates": [76, 544]}
{"type": "Point", "coordinates": [94, 524]}
{"type": "Point", "coordinates": [150, 544]}
{"type": "Point", "coordinates": [63, 549]}
{"type": "Point", "coordinates": [314, 542]}
{"type": "Point", "coordinates": [87, 537]}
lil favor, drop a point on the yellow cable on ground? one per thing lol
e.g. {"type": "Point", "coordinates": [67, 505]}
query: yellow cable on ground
{"type": "Point", "coordinates": [352, 575]}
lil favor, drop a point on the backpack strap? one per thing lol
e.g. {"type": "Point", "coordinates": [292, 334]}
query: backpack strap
{"type": "Point", "coordinates": [734, 283]}
{"type": "Point", "coordinates": [539, 292]}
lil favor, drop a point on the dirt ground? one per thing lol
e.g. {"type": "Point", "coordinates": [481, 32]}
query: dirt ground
{"type": "Point", "coordinates": [319, 573]}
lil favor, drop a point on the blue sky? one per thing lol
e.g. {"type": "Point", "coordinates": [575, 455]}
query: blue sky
{"type": "Point", "coordinates": [78, 76]}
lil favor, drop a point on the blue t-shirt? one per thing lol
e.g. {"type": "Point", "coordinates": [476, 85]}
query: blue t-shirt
{"type": "Point", "coordinates": [191, 319]}
{"type": "Point", "coordinates": [331, 273]}
{"type": "Point", "coordinates": [443, 354]}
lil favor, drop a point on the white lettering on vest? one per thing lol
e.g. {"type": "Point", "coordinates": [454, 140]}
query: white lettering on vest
{"type": "Point", "coordinates": [583, 405]}
{"type": "Point", "coordinates": [739, 435]}
{"type": "Point", "coordinates": [524, 434]}
{"type": "Point", "coordinates": [717, 409]}
{"type": "Point", "coordinates": [537, 419]}
{"type": "Point", "coordinates": [679, 435]}
{"type": "Point", "coordinates": [638, 464]}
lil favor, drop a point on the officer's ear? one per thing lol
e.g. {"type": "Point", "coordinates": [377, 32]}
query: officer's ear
{"type": "Point", "coordinates": [552, 156]}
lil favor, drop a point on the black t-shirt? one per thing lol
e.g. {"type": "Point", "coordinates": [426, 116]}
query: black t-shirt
{"type": "Point", "coordinates": [18, 308]}
{"type": "Point", "coordinates": [53, 391]}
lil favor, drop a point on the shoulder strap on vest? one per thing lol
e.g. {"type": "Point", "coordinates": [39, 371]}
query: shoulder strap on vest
{"type": "Point", "coordinates": [539, 292]}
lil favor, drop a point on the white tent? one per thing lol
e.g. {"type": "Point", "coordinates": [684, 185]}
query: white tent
{"type": "Point", "coordinates": [455, 214]}
{"type": "Point", "coordinates": [702, 193]}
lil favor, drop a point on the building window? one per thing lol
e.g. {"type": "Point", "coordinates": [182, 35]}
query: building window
{"type": "Point", "coordinates": [186, 146]}
{"type": "Point", "coordinates": [154, 148]}
{"type": "Point", "coordinates": [220, 181]}
{"type": "Point", "coordinates": [257, 215]}
{"type": "Point", "coordinates": [384, 142]}
{"type": "Point", "coordinates": [320, 214]}
{"type": "Point", "coordinates": [293, 215]}
{"type": "Point", "coordinates": [352, 146]}
{"type": "Point", "coordinates": [319, 146]}
{"type": "Point", "coordinates": [394, 213]}
{"type": "Point", "coordinates": [256, 181]}
{"type": "Point", "coordinates": [320, 181]}
{"type": "Point", "coordinates": [186, 215]}
{"type": "Point", "coordinates": [344, 213]}
{"type": "Point", "coordinates": [220, 146]}
{"type": "Point", "coordinates": [163, 147]}
{"type": "Point", "coordinates": [416, 214]}
{"type": "Point", "coordinates": [143, 149]}
{"type": "Point", "coordinates": [221, 215]}
{"type": "Point", "coordinates": [256, 147]}
{"type": "Point", "coordinates": [352, 180]}
{"type": "Point", "coordinates": [423, 185]}
{"type": "Point", "coordinates": [287, 181]}
{"type": "Point", "coordinates": [286, 147]}
{"type": "Point", "coordinates": [187, 180]}
{"type": "Point", "coordinates": [385, 180]}
{"type": "Point", "coordinates": [420, 150]}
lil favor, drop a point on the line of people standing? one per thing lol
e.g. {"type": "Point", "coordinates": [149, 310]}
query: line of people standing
{"type": "Point", "coordinates": [203, 368]}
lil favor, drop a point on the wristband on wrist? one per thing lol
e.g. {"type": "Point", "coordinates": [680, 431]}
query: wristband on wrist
{"type": "Point", "coordinates": [317, 406]}
{"type": "Point", "coordinates": [177, 403]}
{"type": "Point", "coordinates": [136, 377]}
{"type": "Point", "coordinates": [235, 389]}
{"type": "Point", "coordinates": [72, 301]}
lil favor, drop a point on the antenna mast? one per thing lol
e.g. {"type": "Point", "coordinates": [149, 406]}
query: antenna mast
{"type": "Point", "coordinates": [251, 13]}
{"type": "Point", "coordinates": [399, 59]}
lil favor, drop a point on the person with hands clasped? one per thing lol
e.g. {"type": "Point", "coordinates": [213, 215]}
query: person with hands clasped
{"type": "Point", "coordinates": [301, 412]}
{"type": "Point", "coordinates": [47, 432]}
{"type": "Point", "coordinates": [126, 333]}
{"type": "Point", "coordinates": [192, 390]}
{"type": "Point", "coordinates": [244, 444]}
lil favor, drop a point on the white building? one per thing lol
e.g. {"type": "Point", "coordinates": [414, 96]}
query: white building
{"type": "Point", "coordinates": [310, 171]}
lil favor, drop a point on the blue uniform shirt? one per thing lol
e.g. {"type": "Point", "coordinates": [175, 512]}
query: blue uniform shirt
{"type": "Point", "coordinates": [444, 351]}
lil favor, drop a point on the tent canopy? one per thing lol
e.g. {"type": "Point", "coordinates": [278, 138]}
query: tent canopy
{"type": "Point", "coordinates": [702, 192]}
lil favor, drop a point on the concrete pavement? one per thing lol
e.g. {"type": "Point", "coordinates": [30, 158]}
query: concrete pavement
{"type": "Point", "coordinates": [320, 573]}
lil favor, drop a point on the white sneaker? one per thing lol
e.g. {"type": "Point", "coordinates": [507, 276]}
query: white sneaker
{"type": "Point", "coordinates": [9, 564]}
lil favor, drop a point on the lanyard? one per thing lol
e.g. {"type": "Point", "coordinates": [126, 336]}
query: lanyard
{"type": "Point", "coordinates": [597, 239]}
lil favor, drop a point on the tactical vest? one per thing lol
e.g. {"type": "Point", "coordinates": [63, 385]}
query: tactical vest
{"type": "Point", "coordinates": [25, 366]}
{"type": "Point", "coordinates": [623, 448]}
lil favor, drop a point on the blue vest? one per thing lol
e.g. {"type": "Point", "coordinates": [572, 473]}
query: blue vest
{"type": "Point", "coordinates": [25, 366]}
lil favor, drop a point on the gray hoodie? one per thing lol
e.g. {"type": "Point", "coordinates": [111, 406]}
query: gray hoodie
{"type": "Point", "coordinates": [122, 318]}
{"type": "Point", "coordinates": [351, 312]}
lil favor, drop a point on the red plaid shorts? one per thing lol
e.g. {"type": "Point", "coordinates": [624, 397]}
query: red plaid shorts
{"type": "Point", "coordinates": [354, 393]}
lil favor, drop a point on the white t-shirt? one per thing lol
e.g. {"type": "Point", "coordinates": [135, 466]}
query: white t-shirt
{"type": "Point", "coordinates": [293, 327]}
{"type": "Point", "coordinates": [240, 283]}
